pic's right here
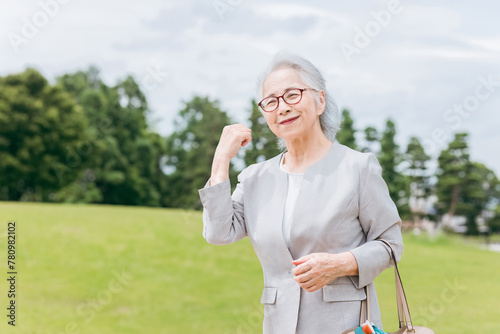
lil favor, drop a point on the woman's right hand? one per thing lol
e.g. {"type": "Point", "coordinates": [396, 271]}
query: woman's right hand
{"type": "Point", "coordinates": [233, 137]}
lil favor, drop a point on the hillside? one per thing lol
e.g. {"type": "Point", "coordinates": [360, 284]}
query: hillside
{"type": "Point", "coordinates": [114, 269]}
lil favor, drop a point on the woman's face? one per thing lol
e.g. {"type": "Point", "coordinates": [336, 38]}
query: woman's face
{"type": "Point", "coordinates": [303, 117]}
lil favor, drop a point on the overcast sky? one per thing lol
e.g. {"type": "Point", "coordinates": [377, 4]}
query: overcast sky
{"type": "Point", "coordinates": [433, 66]}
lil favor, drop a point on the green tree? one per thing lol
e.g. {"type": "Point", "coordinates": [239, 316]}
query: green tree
{"type": "Point", "coordinates": [371, 137]}
{"type": "Point", "coordinates": [124, 165]}
{"type": "Point", "coordinates": [494, 222]}
{"type": "Point", "coordinates": [453, 167]}
{"type": "Point", "coordinates": [416, 171]}
{"type": "Point", "coordinates": [464, 187]}
{"type": "Point", "coordinates": [263, 145]}
{"type": "Point", "coordinates": [41, 132]}
{"type": "Point", "coordinates": [479, 192]}
{"type": "Point", "coordinates": [390, 158]}
{"type": "Point", "coordinates": [191, 149]}
{"type": "Point", "coordinates": [347, 134]}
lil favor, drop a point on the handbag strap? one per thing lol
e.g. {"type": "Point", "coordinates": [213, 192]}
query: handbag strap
{"type": "Point", "coordinates": [400, 304]}
{"type": "Point", "coordinates": [400, 292]}
{"type": "Point", "coordinates": [365, 307]}
{"type": "Point", "coordinates": [403, 310]}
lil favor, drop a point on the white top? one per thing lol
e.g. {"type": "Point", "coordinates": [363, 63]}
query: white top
{"type": "Point", "coordinates": [294, 182]}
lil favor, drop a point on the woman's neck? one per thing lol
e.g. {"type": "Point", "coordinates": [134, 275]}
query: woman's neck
{"type": "Point", "coordinates": [304, 152]}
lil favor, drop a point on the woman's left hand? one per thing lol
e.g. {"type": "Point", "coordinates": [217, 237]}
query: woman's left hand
{"type": "Point", "coordinates": [316, 270]}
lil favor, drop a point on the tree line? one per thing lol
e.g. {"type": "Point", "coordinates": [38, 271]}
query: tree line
{"type": "Point", "coordinates": [457, 187]}
{"type": "Point", "coordinates": [79, 140]}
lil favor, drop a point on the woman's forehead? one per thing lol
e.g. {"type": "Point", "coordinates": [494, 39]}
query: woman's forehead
{"type": "Point", "coordinates": [280, 80]}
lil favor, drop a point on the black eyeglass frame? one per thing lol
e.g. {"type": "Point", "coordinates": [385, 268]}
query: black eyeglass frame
{"type": "Point", "coordinates": [283, 97]}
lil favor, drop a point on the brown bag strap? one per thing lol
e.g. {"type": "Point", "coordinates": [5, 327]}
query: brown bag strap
{"type": "Point", "coordinates": [363, 315]}
{"type": "Point", "coordinates": [365, 307]}
{"type": "Point", "coordinates": [401, 318]}
{"type": "Point", "coordinates": [403, 310]}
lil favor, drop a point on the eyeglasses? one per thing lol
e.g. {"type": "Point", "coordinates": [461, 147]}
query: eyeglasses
{"type": "Point", "coordinates": [291, 97]}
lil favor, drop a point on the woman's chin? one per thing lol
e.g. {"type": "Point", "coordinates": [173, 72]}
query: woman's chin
{"type": "Point", "coordinates": [289, 138]}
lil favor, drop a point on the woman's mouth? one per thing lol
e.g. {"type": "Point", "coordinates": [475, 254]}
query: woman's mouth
{"type": "Point", "coordinates": [289, 120]}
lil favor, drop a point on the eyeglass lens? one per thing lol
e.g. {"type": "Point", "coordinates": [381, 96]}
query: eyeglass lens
{"type": "Point", "coordinates": [291, 97]}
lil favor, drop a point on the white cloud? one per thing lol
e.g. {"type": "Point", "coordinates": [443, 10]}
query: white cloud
{"type": "Point", "coordinates": [490, 44]}
{"type": "Point", "coordinates": [428, 58]}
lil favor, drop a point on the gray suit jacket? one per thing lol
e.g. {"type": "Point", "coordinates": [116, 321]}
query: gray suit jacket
{"type": "Point", "coordinates": [343, 205]}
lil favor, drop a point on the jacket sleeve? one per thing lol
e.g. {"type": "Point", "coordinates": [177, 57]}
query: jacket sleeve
{"type": "Point", "coordinates": [379, 219]}
{"type": "Point", "coordinates": [223, 214]}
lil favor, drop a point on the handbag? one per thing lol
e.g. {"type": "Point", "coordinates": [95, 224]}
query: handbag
{"type": "Point", "coordinates": [405, 324]}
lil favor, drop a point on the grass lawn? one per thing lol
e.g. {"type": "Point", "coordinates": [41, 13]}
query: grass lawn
{"type": "Point", "coordinates": [113, 269]}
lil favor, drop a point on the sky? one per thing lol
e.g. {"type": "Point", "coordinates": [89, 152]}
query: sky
{"type": "Point", "coordinates": [431, 66]}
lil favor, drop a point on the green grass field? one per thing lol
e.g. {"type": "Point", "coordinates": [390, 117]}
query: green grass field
{"type": "Point", "coordinates": [113, 269]}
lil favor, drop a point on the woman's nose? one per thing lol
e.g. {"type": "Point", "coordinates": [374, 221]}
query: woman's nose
{"type": "Point", "coordinates": [283, 107]}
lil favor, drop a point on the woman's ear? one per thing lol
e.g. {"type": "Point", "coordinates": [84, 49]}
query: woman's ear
{"type": "Point", "coordinates": [322, 103]}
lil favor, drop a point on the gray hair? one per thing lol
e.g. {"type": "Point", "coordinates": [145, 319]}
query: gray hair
{"type": "Point", "coordinates": [311, 76]}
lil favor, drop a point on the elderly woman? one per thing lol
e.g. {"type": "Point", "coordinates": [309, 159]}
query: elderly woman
{"type": "Point", "coordinates": [313, 213]}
